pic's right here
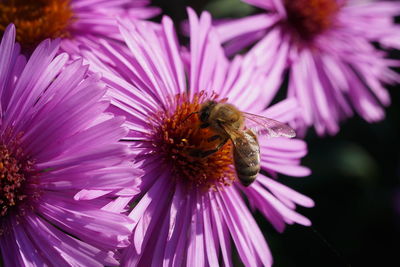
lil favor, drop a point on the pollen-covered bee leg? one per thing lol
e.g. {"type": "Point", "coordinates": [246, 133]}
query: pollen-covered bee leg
{"type": "Point", "coordinates": [198, 153]}
{"type": "Point", "coordinates": [221, 144]}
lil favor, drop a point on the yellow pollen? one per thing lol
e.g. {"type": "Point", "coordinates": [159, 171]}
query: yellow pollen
{"type": "Point", "coordinates": [36, 20]}
{"type": "Point", "coordinates": [178, 133]}
{"type": "Point", "coordinates": [311, 17]}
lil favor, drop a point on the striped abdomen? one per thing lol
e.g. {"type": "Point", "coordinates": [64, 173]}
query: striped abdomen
{"type": "Point", "coordinates": [246, 156]}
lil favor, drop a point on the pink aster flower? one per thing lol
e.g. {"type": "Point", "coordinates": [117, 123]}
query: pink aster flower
{"type": "Point", "coordinates": [56, 143]}
{"type": "Point", "coordinates": [327, 45]}
{"type": "Point", "coordinates": [74, 20]}
{"type": "Point", "coordinates": [192, 207]}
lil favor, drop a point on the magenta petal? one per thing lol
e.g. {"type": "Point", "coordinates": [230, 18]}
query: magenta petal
{"type": "Point", "coordinates": [196, 250]}
{"type": "Point", "coordinates": [287, 192]}
{"type": "Point", "coordinates": [209, 239]}
{"type": "Point", "coordinates": [333, 73]}
{"type": "Point", "coordinates": [223, 232]}
{"type": "Point", "coordinates": [98, 19]}
{"type": "Point", "coordinates": [231, 30]}
{"type": "Point", "coordinates": [73, 250]}
{"type": "Point", "coordinates": [53, 126]}
{"type": "Point", "coordinates": [177, 221]}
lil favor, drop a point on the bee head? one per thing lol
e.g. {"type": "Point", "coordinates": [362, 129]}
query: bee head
{"type": "Point", "coordinates": [206, 109]}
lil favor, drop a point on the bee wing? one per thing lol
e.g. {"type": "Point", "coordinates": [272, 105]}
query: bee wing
{"type": "Point", "coordinates": [265, 126]}
{"type": "Point", "coordinates": [245, 143]}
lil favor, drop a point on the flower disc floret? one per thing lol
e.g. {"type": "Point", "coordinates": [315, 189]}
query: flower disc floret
{"type": "Point", "coordinates": [59, 159]}
{"type": "Point", "coordinates": [310, 18]}
{"type": "Point", "coordinates": [180, 219]}
{"type": "Point", "coordinates": [334, 52]}
{"type": "Point", "coordinates": [177, 133]}
{"type": "Point", "coordinates": [14, 171]}
{"type": "Point", "coordinates": [36, 20]}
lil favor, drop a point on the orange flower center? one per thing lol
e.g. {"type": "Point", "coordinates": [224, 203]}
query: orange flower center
{"type": "Point", "coordinates": [311, 17]}
{"type": "Point", "coordinates": [35, 20]}
{"type": "Point", "coordinates": [178, 134]}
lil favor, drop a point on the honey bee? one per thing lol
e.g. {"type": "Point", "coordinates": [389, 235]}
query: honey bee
{"type": "Point", "coordinates": [228, 123]}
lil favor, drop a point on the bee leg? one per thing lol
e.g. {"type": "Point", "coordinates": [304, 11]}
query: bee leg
{"type": "Point", "coordinates": [204, 125]}
{"type": "Point", "coordinates": [213, 138]}
{"type": "Point", "coordinates": [197, 153]}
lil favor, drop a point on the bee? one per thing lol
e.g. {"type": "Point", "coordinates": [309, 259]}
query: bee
{"type": "Point", "coordinates": [229, 123]}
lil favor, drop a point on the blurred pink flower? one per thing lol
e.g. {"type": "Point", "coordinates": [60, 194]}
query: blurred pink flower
{"type": "Point", "coordinates": [77, 21]}
{"type": "Point", "coordinates": [191, 208]}
{"type": "Point", "coordinates": [327, 46]}
{"type": "Point", "coordinates": [95, 19]}
{"type": "Point", "coordinates": [57, 144]}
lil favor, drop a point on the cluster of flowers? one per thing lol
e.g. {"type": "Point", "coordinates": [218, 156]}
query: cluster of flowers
{"type": "Point", "coordinates": [96, 125]}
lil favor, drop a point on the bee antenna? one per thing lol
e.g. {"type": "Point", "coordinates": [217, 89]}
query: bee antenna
{"type": "Point", "coordinates": [190, 115]}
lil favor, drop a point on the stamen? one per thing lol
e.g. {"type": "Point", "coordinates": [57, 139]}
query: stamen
{"type": "Point", "coordinates": [16, 172]}
{"type": "Point", "coordinates": [310, 18]}
{"type": "Point", "coordinates": [36, 20]}
{"type": "Point", "coordinates": [178, 133]}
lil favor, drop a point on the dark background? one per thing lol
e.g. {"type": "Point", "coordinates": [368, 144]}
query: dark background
{"type": "Point", "coordinates": [355, 182]}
